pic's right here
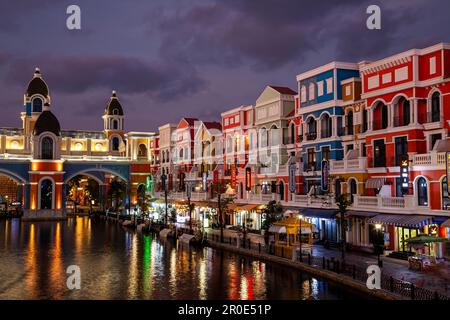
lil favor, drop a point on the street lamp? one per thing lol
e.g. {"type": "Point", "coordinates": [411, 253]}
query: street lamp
{"type": "Point", "coordinates": [300, 217]}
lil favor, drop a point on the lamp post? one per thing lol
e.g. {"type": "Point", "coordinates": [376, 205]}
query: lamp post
{"type": "Point", "coordinates": [189, 190]}
{"type": "Point", "coordinates": [300, 217]}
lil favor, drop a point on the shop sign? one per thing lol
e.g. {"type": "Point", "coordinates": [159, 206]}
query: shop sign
{"type": "Point", "coordinates": [248, 179]}
{"type": "Point", "coordinates": [325, 181]}
{"type": "Point", "coordinates": [404, 174]}
{"type": "Point", "coordinates": [233, 176]}
{"type": "Point", "coordinates": [292, 171]}
{"type": "Point", "coordinates": [204, 181]}
{"type": "Point", "coordinates": [149, 184]}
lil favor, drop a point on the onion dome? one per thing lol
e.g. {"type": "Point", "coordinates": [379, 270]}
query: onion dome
{"type": "Point", "coordinates": [114, 107]}
{"type": "Point", "coordinates": [37, 85]}
{"type": "Point", "coordinates": [47, 122]}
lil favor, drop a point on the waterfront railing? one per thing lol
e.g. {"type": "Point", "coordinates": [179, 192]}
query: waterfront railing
{"type": "Point", "coordinates": [358, 273]}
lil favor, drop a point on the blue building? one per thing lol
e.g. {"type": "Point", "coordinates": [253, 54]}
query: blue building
{"type": "Point", "coordinates": [321, 113]}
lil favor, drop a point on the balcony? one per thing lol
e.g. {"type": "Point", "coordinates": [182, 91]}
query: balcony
{"type": "Point", "coordinates": [311, 136]}
{"type": "Point", "coordinates": [429, 159]}
{"type": "Point", "coordinates": [379, 125]}
{"type": "Point", "coordinates": [346, 165]}
{"type": "Point", "coordinates": [401, 122]}
{"type": "Point", "coordinates": [310, 166]}
{"type": "Point", "coordinates": [325, 134]}
{"type": "Point", "coordinates": [387, 204]}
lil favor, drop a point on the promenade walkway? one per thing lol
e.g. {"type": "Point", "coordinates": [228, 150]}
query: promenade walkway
{"type": "Point", "coordinates": [436, 280]}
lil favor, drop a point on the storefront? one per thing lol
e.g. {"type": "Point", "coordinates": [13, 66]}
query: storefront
{"type": "Point", "coordinates": [401, 228]}
{"type": "Point", "coordinates": [248, 215]}
{"type": "Point", "coordinates": [326, 229]}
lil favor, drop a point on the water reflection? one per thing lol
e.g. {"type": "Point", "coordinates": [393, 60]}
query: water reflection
{"type": "Point", "coordinates": [119, 264]}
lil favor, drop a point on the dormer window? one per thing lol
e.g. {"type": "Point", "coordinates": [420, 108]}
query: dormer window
{"type": "Point", "coordinates": [115, 112]}
{"type": "Point", "coordinates": [37, 105]}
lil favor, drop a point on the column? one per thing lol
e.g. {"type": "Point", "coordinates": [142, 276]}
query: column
{"type": "Point", "coordinates": [415, 111]}
{"type": "Point", "coordinates": [390, 108]}
{"type": "Point", "coordinates": [334, 128]}
{"type": "Point", "coordinates": [64, 197]}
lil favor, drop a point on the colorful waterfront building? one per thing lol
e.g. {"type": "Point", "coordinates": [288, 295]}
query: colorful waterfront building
{"type": "Point", "coordinates": [38, 161]}
{"type": "Point", "coordinates": [236, 124]}
{"type": "Point", "coordinates": [406, 142]}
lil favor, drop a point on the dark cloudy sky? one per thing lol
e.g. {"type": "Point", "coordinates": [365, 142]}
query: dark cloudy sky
{"type": "Point", "coordinates": [168, 59]}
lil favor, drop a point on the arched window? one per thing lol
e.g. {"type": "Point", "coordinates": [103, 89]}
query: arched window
{"type": "Point", "coordinates": [115, 144]}
{"type": "Point", "coordinates": [445, 194]}
{"type": "Point", "coordinates": [115, 124]}
{"type": "Point", "coordinates": [142, 151]}
{"type": "Point", "coordinates": [312, 91]}
{"type": "Point", "coordinates": [436, 107]}
{"type": "Point", "coordinates": [263, 137]}
{"type": "Point", "coordinates": [325, 126]}
{"type": "Point", "coordinates": [46, 194]}
{"type": "Point", "coordinates": [167, 156]}
{"type": "Point", "coordinates": [353, 189]}
{"type": "Point", "coordinates": [37, 105]}
{"type": "Point", "coordinates": [364, 120]}
{"type": "Point", "coordinates": [349, 123]}
{"type": "Point", "coordinates": [115, 112]}
{"type": "Point", "coordinates": [303, 94]}
{"type": "Point", "coordinates": [311, 128]}
{"type": "Point", "coordinates": [274, 136]}
{"type": "Point", "coordinates": [47, 148]}
{"type": "Point", "coordinates": [229, 144]}
{"type": "Point", "coordinates": [337, 187]}
{"type": "Point", "coordinates": [181, 153]}
{"type": "Point", "coordinates": [422, 192]}
{"type": "Point", "coordinates": [281, 190]}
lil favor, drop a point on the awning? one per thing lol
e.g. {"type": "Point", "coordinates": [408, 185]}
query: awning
{"type": "Point", "coordinates": [232, 206]}
{"type": "Point", "coordinates": [375, 183]}
{"type": "Point", "coordinates": [277, 229]}
{"type": "Point", "coordinates": [367, 214]}
{"type": "Point", "coordinates": [440, 220]}
{"type": "Point", "coordinates": [442, 146]}
{"type": "Point", "coordinates": [319, 213]}
{"type": "Point", "coordinates": [413, 221]}
{"type": "Point", "coordinates": [446, 224]}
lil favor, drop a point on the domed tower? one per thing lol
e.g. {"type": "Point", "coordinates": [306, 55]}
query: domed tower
{"type": "Point", "coordinates": [46, 143]}
{"type": "Point", "coordinates": [35, 97]}
{"type": "Point", "coordinates": [113, 123]}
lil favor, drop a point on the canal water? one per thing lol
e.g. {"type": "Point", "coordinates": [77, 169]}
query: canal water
{"type": "Point", "coordinates": [119, 264]}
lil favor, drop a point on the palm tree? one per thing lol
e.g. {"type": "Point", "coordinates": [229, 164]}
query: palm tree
{"type": "Point", "coordinates": [273, 212]}
{"type": "Point", "coordinates": [342, 201]}
{"type": "Point", "coordinates": [222, 203]}
{"type": "Point", "coordinates": [72, 187]}
{"type": "Point", "coordinates": [117, 192]}
{"type": "Point", "coordinates": [92, 191]}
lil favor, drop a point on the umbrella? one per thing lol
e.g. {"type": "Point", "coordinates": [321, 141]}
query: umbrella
{"type": "Point", "coordinates": [424, 238]}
